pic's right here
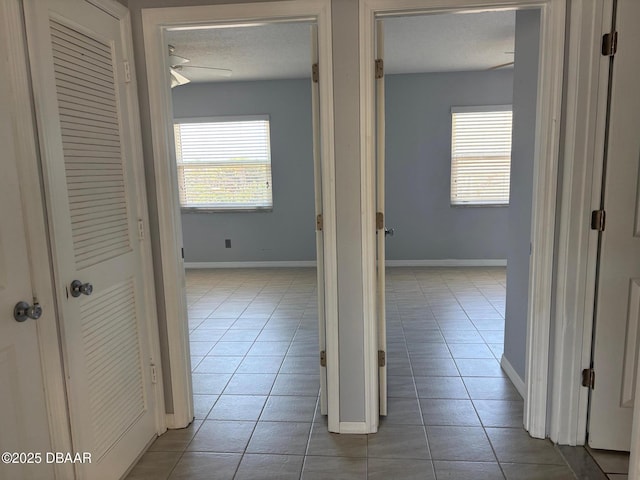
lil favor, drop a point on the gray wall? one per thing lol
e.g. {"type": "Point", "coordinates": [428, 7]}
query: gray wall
{"type": "Point", "coordinates": [347, 154]}
{"type": "Point", "coordinates": [519, 237]}
{"type": "Point", "coordinates": [288, 231]}
{"type": "Point", "coordinates": [344, 30]}
{"type": "Point", "coordinates": [418, 168]}
{"type": "Point", "coordinates": [351, 285]}
{"type": "Point", "coordinates": [418, 171]}
{"type": "Point", "coordinates": [135, 8]}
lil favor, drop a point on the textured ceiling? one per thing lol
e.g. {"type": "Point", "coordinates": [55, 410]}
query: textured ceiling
{"type": "Point", "coordinates": [425, 43]}
{"type": "Point", "coordinates": [449, 42]}
{"type": "Point", "coordinates": [265, 52]}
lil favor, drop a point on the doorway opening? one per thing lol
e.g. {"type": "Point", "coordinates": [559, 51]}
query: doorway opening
{"type": "Point", "coordinates": [245, 145]}
{"type": "Point", "coordinates": [456, 197]}
{"type": "Point", "coordinates": [541, 233]}
{"type": "Point", "coordinates": [157, 24]}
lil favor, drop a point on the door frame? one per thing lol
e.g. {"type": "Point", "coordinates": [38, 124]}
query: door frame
{"type": "Point", "coordinates": [34, 216]}
{"type": "Point", "coordinates": [132, 146]}
{"type": "Point", "coordinates": [155, 21]}
{"type": "Point", "coordinates": [586, 89]}
{"type": "Point", "coordinates": [549, 106]}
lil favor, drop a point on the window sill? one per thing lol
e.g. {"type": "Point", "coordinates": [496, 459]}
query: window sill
{"type": "Point", "coordinates": [225, 210]}
{"type": "Point", "coordinates": [478, 205]}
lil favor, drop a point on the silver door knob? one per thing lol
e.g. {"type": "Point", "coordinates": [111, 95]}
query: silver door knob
{"type": "Point", "coordinates": [78, 288]}
{"type": "Point", "coordinates": [389, 231]}
{"type": "Point", "coordinates": [23, 311]}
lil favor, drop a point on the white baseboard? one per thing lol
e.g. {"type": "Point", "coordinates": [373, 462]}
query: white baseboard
{"type": "Point", "coordinates": [388, 263]}
{"type": "Point", "coordinates": [513, 376]}
{"type": "Point", "coordinates": [453, 262]}
{"type": "Point", "coordinates": [275, 264]}
{"type": "Point", "coordinates": [354, 427]}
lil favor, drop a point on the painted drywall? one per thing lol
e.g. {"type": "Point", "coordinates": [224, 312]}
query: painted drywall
{"type": "Point", "coordinates": [349, 236]}
{"type": "Point", "coordinates": [288, 231]}
{"type": "Point", "coordinates": [347, 152]}
{"type": "Point", "coordinates": [351, 333]}
{"type": "Point", "coordinates": [417, 173]}
{"type": "Point", "coordinates": [519, 229]}
{"type": "Point", "coordinates": [418, 168]}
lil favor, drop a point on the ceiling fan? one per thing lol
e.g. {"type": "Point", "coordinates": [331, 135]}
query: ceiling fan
{"type": "Point", "coordinates": [178, 65]}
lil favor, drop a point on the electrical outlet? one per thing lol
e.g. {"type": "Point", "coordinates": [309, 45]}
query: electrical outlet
{"type": "Point", "coordinates": [227, 243]}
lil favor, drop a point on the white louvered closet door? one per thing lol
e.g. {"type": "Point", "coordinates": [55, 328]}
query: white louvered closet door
{"type": "Point", "coordinates": [80, 87]}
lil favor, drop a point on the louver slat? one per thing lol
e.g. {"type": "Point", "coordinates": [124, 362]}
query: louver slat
{"type": "Point", "coordinates": [87, 105]}
{"type": "Point", "coordinates": [480, 156]}
{"type": "Point", "coordinates": [112, 359]}
{"type": "Point", "coordinates": [224, 164]}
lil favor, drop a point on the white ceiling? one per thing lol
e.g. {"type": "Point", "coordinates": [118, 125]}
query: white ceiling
{"type": "Point", "coordinates": [425, 43]}
{"type": "Point", "coordinates": [449, 42]}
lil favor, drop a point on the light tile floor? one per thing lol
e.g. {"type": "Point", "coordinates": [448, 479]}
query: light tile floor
{"type": "Point", "coordinates": [453, 414]}
{"type": "Point", "coordinates": [614, 464]}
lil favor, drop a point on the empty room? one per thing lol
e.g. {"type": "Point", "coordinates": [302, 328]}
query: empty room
{"type": "Point", "coordinates": [358, 239]}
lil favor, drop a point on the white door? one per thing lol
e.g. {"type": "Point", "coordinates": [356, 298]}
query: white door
{"type": "Point", "coordinates": [81, 89]}
{"type": "Point", "coordinates": [23, 414]}
{"type": "Point", "coordinates": [317, 178]}
{"type": "Point", "coordinates": [380, 227]}
{"type": "Point", "coordinates": [617, 323]}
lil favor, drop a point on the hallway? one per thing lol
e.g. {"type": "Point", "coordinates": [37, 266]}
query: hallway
{"type": "Point", "coordinates": [453, 414]}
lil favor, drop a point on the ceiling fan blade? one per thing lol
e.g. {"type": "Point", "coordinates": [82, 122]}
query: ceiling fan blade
{"type": "Point", "coordinates": [223, 72]}
{"type": "Point", "coordinates": [177, 78]}
{"type": "Point", "coordinates": [502, 65]}
{"type": "Point", "coordinates": [176, 59]}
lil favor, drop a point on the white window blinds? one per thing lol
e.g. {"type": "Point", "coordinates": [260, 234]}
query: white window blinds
{"type": "Point", "coordinates": [480, 155]}
{"type": "Point", "coordinates": [224, 164]}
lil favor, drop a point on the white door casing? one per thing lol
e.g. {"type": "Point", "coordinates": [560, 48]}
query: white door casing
{"type": "Point", "coordinates": [549, 103]}
{"type": "Point", "coordinates": [23, 412]}
{"type": "Point", "coordinates": [82, 92]}
{"type": "Point", "coordinates": [586, 85]}
{"type": "Point", "coordinates": [380, 225]}
{"type": "Point", "coordinates": [20, 106]}
{"type": "Point", "coordinates": [617, 317]}
{"type": "Point", "coordinates": [155, 21]}
{"type": "Point", "coordinates": [317, 180]}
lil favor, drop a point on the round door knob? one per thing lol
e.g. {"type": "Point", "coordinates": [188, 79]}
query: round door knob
{"type": "Point", "coordinates": [23, 311]}
{"type": "Point", "coordinates": [78, 288]}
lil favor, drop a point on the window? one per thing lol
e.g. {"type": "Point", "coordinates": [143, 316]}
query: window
{"type": "Point", "coordinates": [480, 155]}
{"type": "Point", "coordinates": [224, 163]}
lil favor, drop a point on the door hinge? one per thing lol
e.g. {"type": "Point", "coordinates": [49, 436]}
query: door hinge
{"type": "Point", "coordinates": [379, 221]}
{"type": "Point", "coordinates": [140, 229]}
{"type": "Point", "coordinates": [127, 71]}
{"type": "Point", "coordinates": [379, 68]}
{"type": "Point", "coordinates": [597, 220]}
{"type": "Point", "coordinates": [588, 378]}
{"type": "Point", "coordinates": [315, 73]}
{"type": "Point", "coordinates": [319, 222]}
{"type": "Point", "coordinates": [609, 44]}
{"type": "Point", "coordinates": [323, 358]}
{"type": "Point", "coordinates": [154, 374]}
{"type": "Point", "coordinates": [382, 358]}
